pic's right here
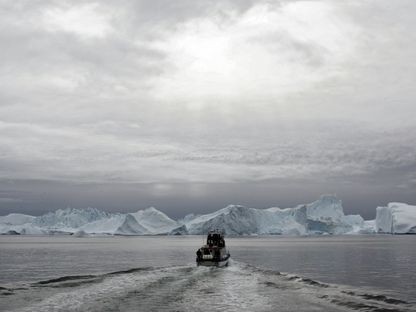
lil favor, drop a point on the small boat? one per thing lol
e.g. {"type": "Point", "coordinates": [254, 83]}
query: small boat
{"type": "Point", "coordinates": [214, 253]}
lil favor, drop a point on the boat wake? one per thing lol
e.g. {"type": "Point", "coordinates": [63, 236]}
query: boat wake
{"type": "Point", "coordinates": [239, 287]}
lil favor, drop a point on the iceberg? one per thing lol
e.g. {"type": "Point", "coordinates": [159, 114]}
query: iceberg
{"type": "Point", "coordinates": [17, 223]}
{"type": "Point", "coordinates": [369, 227]}
{"type": "Point", "coordinates": [89, 221]}
{"type": "Point", "coordinates": [23, 229]}
{"type": "Point", "coordinates": [323, 216]}
{"type": "Point", "coordinates": [155, 221]}
{"type": "Point", "coordinates": [181, 230]}
{"type": "Point", "coordinates": [16, 219]}
{"type": "Point", "coordinates": [233, 219]}
{"type": "Point", "coordinates": [115, 225]}
{"type": "Point", "coordinates": [70, 218]}
{"type": "Point", "coordinates": [188, 218]}
{"type": "Point", "coordinates": [326, 215]}
{"type": "Point", "coordinates": [396, 218]}
{"type": "Point", "coordinates": [328, 208]}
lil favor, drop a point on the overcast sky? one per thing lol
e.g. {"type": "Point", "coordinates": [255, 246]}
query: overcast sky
{"type": "Point", "coordinates": [191, 105]}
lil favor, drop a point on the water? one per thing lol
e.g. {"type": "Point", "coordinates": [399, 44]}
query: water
{"type": "Point", "coordinates": [332, 273]}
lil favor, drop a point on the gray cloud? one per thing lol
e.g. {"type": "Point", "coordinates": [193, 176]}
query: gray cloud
{"type": "Point", "coordinates": [165, 94]}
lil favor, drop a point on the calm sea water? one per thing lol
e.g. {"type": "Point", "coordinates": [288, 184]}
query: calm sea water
{"type": "Point", "coordinates": [332, 273]}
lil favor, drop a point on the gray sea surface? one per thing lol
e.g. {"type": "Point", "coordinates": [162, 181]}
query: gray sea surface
{"type": "Point", "coordinates": [158, 273]}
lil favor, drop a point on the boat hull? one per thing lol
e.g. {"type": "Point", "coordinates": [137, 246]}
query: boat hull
{"type": "Point", "coordinates": [220, 263]}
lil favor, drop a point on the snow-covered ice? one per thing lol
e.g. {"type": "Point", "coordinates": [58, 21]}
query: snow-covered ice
{"type": "Point", "coordinates": [16, 219]}
{"type": "Point", "coordinates": [116, 225]}
{"type": "Point", "coordinates": [396, 218]}
{"type": "Point", "coordinates": [155, 221]}
{"type": "Point", "coordinates": [70, 218]}
{"type": "Point", "coordinates": [322, 216]}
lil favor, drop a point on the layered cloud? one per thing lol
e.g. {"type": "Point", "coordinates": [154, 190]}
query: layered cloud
{"type": "Point", "coordinates": [240, 91]}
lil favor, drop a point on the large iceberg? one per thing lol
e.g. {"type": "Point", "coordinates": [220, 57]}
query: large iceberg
{"type": "Point", "coordinates": [70, 218]}
{"type": "Point", "coordinates": [89, 221]}
{"type": "Point", "coordinates": [240, 220]}
{"type": "Point", "coordinates": [326, 215]}
{"type": "Point", "coordinates": [119, 224]}
{"type": "Point", "coordinates": [320, 217]}
{"type": "Point", "coordinates": [17, 223]}
{"type": "Point", "coordinates": [396, 218]}
{"type": "Point", "coordinates": [16, 219]}
{"type": "Point", "coordinates": [23, 229]}
{"type": "Point", "coordinates": [155, 221]}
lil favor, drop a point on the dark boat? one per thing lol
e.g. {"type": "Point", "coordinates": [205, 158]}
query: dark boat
{"type": "Point", "coordinates": [214, 253]}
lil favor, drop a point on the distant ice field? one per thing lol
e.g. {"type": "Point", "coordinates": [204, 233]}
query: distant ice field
{"type": "Point", "coordinates": [328, 273]}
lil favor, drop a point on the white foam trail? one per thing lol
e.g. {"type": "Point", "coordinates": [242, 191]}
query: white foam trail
{"type": "Point", "coordinates": [111, 287]}
{"type": "Point", "coordinates": [239, 287]}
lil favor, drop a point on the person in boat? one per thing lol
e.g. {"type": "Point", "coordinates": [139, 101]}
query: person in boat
{"type": "Point", "coordinates": [199, 254]}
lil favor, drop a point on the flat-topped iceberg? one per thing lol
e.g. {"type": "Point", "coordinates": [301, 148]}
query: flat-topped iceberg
{"type": "Point", "coordinates": [396, 218]}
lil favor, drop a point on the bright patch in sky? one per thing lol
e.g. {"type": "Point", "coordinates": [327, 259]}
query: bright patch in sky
{"type": "Point", "coordinates": [86, 20]}
{"type": "Point", "coordinates": [268, 51]}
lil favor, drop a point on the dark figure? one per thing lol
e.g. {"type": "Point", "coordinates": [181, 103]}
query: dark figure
{"type": "Point", "coordinates": [199, 254]}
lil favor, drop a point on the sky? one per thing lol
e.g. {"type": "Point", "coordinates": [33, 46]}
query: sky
{"type": "Point", "coordinates": [192, 105]}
